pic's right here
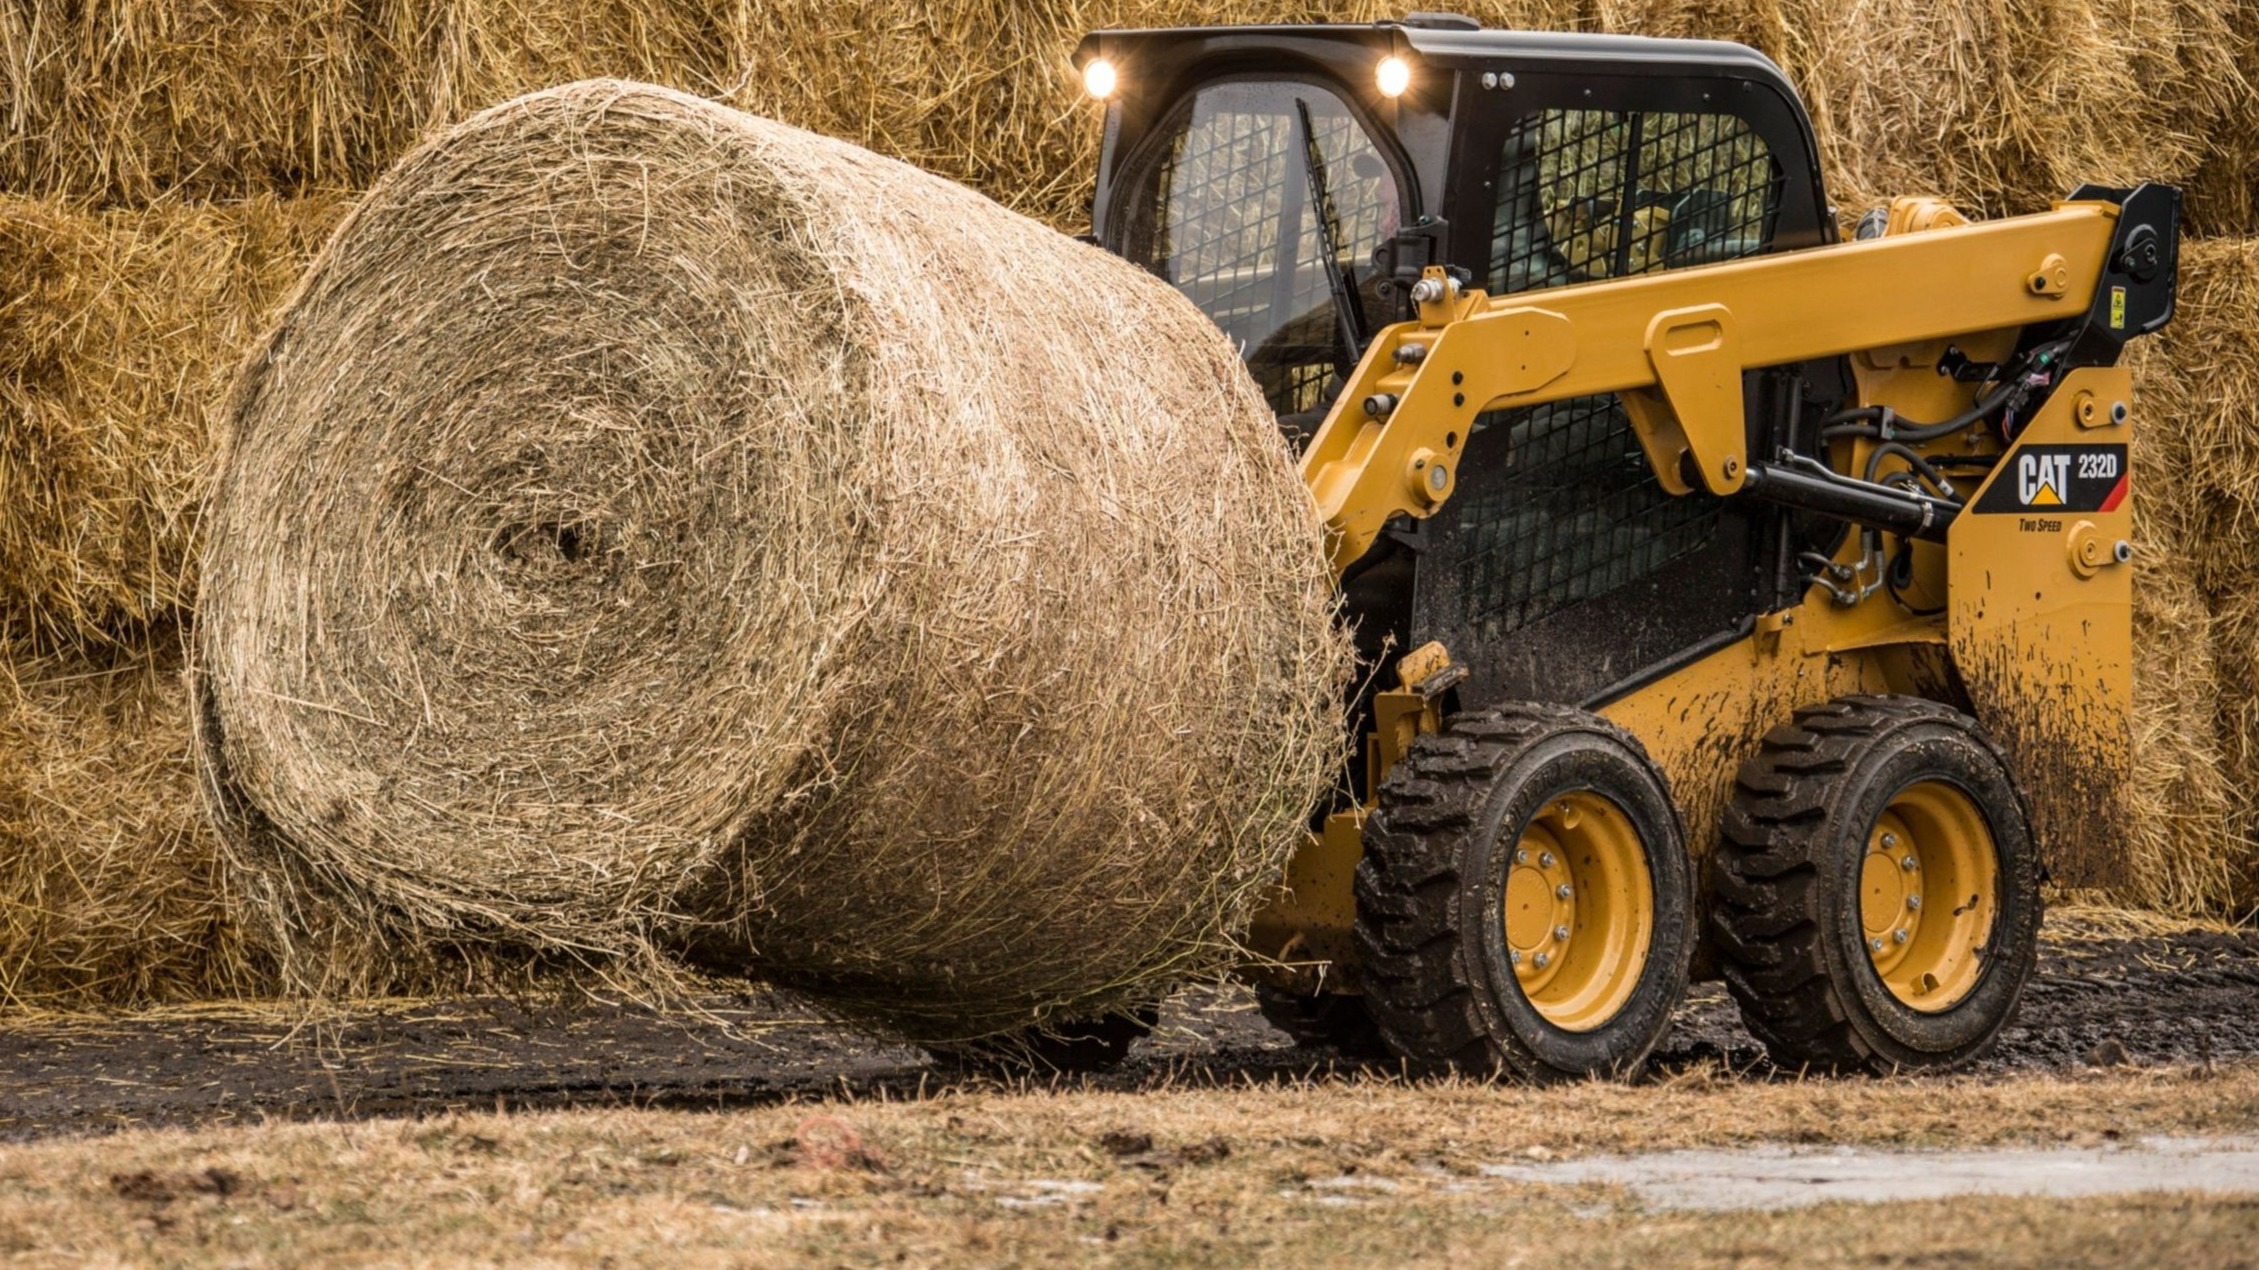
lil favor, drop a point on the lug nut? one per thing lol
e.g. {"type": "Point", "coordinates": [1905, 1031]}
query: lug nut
{"type": "Point", "coordinates": [1889, 840]}
{"type": "Point", "coordinates": [1914, 902]}
{"type": "Point", "coordinates": [1514, 955]}
{"type": "Point", "coordinates": [1543, 961]}
{"type": "Point", "coordinates": [1561, 933]}
{"type": "Point", "coordinates": [1545, 859]}
{"type": "Point", "coordinates": [1563, 891]}
{"type": "Point", "coordinates": [1909, 864]}
{"type": "Point", "coordinates": [1898, 936]}
{"type": "Point", "coordinates": [1875, 944]}
{"type": "Point", "coordinates": [1521, 857]}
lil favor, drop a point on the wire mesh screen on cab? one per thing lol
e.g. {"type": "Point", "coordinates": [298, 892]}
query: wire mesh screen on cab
{"type": "Point", "coordinates": [1557, 503]}
{"type": "Point", "coordinates": [1260, 202]}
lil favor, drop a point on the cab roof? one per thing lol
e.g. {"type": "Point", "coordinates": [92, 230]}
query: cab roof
{"type": "Point", "coordinates": [1447, 40]}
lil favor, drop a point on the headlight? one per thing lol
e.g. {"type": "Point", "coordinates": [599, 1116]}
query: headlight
{"type": "Point", "coordinates": [1394, 75]}
{"type": "Point", "coordinates": [1098, 78]}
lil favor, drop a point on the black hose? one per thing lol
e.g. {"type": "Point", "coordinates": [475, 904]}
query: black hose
{"type": "Point", "coordinates": [1915, 433]}
{"type": "Point", "coordinates": [1917, 462]}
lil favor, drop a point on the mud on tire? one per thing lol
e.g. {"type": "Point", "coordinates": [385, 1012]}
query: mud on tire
{"type": "Point", "coordinates": [1795, 892]}
{"type": "Point", "coordinates": [1432, 888]}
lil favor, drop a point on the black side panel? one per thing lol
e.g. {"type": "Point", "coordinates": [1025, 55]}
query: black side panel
{"type": "Point", "coordinates": [1561, 567]}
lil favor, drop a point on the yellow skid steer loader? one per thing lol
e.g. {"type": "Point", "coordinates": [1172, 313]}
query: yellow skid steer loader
{"type": "Point", "coordinates": [1735, 600]}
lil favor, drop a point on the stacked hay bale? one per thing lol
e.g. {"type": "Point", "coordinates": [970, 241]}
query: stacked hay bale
{"type": "Point", "coordinates": [654, 529]}
{"type": "Point", "coordinates": [2198, 508]}
{"type": "Point", "coordinates": [118, 331]}
{"type": "Point", "coordinates": [110, 881]}
{"type": "Point", "coordinates": [161, 179]}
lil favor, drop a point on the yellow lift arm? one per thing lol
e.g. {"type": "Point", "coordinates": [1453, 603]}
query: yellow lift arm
{"type": "Point", "coordinates": [1674, 345]}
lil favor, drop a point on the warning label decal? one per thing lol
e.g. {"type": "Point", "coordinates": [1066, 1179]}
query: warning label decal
{"type": "Point", "coordinates": [2057, 478]}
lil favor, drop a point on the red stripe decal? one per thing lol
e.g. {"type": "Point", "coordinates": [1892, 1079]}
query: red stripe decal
{"type": "Point", "coordinates": [2117, 494]}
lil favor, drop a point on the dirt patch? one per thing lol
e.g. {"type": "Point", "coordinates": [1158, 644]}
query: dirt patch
{"type": "Point", "coordinates": [2135, 999]}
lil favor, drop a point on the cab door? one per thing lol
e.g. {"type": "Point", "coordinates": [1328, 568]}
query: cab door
{"type": "Point", "coordinates": [1561, 570]}
{"type": "Point", "coordinates": [1262, 199]}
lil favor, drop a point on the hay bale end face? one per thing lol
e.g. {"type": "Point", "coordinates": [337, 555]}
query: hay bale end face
{"type": "Point", "coordinates": [655, 529]}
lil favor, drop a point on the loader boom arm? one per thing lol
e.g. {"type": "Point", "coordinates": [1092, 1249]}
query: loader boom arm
{"type": "Point", "coordinates": [1675, 345]}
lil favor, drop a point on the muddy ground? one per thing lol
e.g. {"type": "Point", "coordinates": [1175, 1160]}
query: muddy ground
{"type": "Point", "coordinates": [2189, 997]}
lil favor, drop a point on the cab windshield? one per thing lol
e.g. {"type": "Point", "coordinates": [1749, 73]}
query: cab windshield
{"type": "Point", "coordinates": [1262, 200]}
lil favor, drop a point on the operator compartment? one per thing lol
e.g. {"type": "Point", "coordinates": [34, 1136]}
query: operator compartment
{"type": "Point", "coordinates": [1273, 177]}
{"type": "Point", "coordinates": [1635, 477]}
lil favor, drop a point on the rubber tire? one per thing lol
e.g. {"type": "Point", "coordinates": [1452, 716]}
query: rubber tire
{"type": "Point", "coordinates": [1786, 886]}
{"type": "Point", "coordinates": [1071, 1048]}
{"type": "Point", "coordinates": [1329, 1020]}
{"type": "Point", "coordinates": [1430, 940]}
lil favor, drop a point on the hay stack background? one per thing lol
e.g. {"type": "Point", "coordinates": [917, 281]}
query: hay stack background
{"type": "Point", "coordinates": [118, 332]}
{"type": "Point", "coordinates": [2199, 503]}
{"type": "Point", "coordinates": [1999, 106]}
{"type": "Point", "coordinates": [110, 884]}
{"type": "Point", "coordinates": [653, 527]}
{"type": "Point", "coordinates": [133, 271]}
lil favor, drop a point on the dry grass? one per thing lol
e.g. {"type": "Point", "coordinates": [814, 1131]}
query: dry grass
{"type": "Point", "coordinates": [650, 526]}
{"type": "Point", "coordinates": [1331, 1174]}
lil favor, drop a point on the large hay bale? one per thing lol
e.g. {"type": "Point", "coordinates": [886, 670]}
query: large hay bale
{"type": "Point", "coordinates": [2183, 806]}
{"type": "Point", "coordinates": [654, 527]}
{"type": "Point", "coordinates": [110, 885]}
{"type": "Point", "coordinates": [118, 333]}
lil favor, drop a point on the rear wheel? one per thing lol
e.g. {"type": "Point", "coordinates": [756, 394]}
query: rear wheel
{"type": "Point", "coordinates": [1523, 906]}
{"type": "Point", "coordinates": [1877, 888]}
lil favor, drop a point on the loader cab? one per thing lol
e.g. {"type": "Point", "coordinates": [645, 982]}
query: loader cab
{"type": "Point", "coordinates": [1292, 180]}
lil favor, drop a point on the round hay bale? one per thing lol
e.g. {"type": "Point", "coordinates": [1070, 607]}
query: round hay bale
{"type": "Point", "coordinates": [653, 528]}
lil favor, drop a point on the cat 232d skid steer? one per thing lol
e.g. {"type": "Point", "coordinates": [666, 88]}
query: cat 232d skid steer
{"type": "Point", "coordinates": [1734, 600]}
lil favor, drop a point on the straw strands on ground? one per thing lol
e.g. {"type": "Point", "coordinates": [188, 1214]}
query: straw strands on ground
{"type": "Point", "coordinates": [652, 527]}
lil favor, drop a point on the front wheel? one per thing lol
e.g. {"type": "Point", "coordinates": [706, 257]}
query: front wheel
{"type": "Point", "coordinates": [1523, 907]}
{"type": "Point", "coordinates": [1877, 888]}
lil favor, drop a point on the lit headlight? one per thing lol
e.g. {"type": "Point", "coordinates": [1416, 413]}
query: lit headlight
{"type": "Point", "coordinates": [1098, 78]}
{"type": "Point", "coordinates": [1395, 75]}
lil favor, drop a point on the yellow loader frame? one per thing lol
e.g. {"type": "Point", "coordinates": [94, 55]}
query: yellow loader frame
{"type": "Point", "coordinates": [2032, 610]}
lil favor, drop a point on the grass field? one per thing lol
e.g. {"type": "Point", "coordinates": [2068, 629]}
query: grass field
{"type": "Point", "coordinates": [1363, 1171]}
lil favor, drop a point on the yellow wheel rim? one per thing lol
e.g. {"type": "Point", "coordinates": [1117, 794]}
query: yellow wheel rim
{"type": "Point", "coordinates": [1926, 895]}
{"type": "Point", "coordinates": [1579, 911]}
